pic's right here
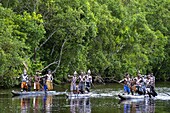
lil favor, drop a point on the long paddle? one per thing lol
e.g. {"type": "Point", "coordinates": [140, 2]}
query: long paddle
{"type": "Point", "coordinates": [92, 84]}
{"type": "Point", "coordinates": [118, 82]}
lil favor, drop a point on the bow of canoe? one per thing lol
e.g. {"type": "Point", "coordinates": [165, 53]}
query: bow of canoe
{"type": "Point", "coordinates": [127, 97]}
{"type": "Point", "coordinates": [19, 93]}
{"type": "Point", "coordinates": [71, 96]}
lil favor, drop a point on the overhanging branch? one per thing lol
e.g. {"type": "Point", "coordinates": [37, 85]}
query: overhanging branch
{"type": "Point", "coordinates": [38, 48]}
{"type": "Point", "coordinates": [49, 65]}
{"type": "Point", "coordinates": [61, 52]}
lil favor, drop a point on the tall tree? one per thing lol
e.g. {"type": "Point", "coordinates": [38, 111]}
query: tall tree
{"type": "Point", "coordinates": [19, 35]}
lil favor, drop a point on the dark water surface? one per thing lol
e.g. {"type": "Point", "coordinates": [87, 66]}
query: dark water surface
{"type": "Point", "coordinates": [103, 100]}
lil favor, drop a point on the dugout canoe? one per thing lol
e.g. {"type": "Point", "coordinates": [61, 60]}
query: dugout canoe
{"type": "Point", "coordinates": [71, 95]}
{"type": "Point", "coordinates": [31, 93]}
{"type": "Point", "coordinates": [128, 97]}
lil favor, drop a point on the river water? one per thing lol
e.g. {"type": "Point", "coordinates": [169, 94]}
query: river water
{"type": "Point", "coordinates": [103, 100]}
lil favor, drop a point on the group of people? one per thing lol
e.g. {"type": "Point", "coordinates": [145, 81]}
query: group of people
{"type": "Point", "coordinates": [84, 82]}
{"type": "Point", "coordinates": [142, 84]}
{"type": "Point", "coordinates": [46, 81]}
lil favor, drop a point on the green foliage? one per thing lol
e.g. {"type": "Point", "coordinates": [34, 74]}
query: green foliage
{"type": "Point", "coordinates": [18, 35]}
{"type": "Point", "coordinates": [110, 37]}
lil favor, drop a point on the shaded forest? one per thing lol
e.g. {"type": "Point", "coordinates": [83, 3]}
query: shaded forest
{"type": "Point", "coordinates": [109, 37]}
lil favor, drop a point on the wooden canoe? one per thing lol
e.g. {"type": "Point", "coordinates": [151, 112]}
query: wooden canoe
{"type": "Point", "coordinates": [127, 97]}
{"type": "Point", "coordinates": [71, 95]}
{"type": "Point", "coordinates": [19, 93]}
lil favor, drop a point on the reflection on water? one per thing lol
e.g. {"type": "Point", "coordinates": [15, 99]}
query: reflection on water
{"type": "Point", "coordinates": [47, 104]}
{"type": "Point", "coordinates": [143, 106]}
{"type": "Point", "coordinates": [25, 105]}
{"type": "Point", "coordinates": [80, 105]}
{"type": "Point", "coordinates": [36, 104]}
{"type": "Point", "coordinates": [103, 100]}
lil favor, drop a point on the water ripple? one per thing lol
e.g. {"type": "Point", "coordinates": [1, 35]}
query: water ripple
{"type": "Point", "coordinates": [163, 93]}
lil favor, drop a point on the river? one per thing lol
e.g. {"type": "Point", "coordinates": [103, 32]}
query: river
{"type": "Point", "coordinates": [103, 100]}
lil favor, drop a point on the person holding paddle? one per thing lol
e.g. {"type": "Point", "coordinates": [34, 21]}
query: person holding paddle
{"type": "Point", "coordinates": [37, 81]}
{"type": "Point", "coordinates": [24, 83]}
{"type": "Point", "coordinates": [49, 80]}
{"type": "Point", "coordinates": [73, 87]}
{"type": "Point", "coordinates": [127, 82]}
{"type": "Point", "coordinates": [150, 88]}
{"type": "Point", "coordinates": [88, 80]}
{"type": "Point", "coordinates": [152, 80]}
{"type": "Point", "coordinates": [81, 83]}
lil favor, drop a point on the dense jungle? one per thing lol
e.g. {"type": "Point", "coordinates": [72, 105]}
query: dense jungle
{"type": "Point", "coordinates": [109, 37]}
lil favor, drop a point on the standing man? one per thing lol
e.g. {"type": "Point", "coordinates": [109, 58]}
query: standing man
{"type": "Point", "coordinates": [88, 80]}
{"type": "Point", "coordinates": [37, 81]}
{"type": "Point", "coordinates": [127, 82]}
{"type": "Point", "coordinates": [24, 83]}
{"type": "Point", "coordinates": [81, 83]}
{"type": "Point", "coordinates": [138, 82]}
{"type": "Point", "coordinates": [152, 80]}
{"type": "Point", "coordinates": [49, 80]}
{"type": "Point", "coordinates": [73, 88]}
{"type": "Point", "coordinates": [29, 83]}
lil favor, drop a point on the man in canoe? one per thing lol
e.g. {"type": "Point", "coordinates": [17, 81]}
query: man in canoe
{"type": "Point", "coordinates": [149, 87]}
{"type": "Point", "coordinates": [127, 82]}
{"type": "Point", "coordinates": [140, 84]}
{"type": "Point", "coordinates": [81, 85]}
{"type": "Point", "coordinates": [29, 83]}
{"type": "Point", "coordinates": [152, 79]}
{"type": "Point", "coordinates": [24, 79]}
{"type": "Point", "coordinates": [88, 80]}
{"type": "Point", "coordinates": [73, 87]}
{"type": "Point", "coordinates": [133, 88]}
{"type": "Point", "coordinates": [49, 80]}
{"type": "Point", "coordinates": [37, 81]}
{"type": "Point", "coordinates": [43, 82]}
